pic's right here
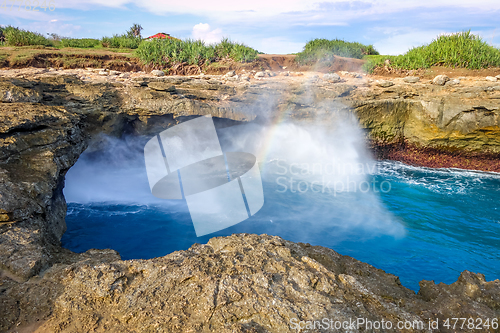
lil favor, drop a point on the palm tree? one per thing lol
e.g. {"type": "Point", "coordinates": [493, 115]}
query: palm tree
{"type": "Point", "coordinates": [135, 31]}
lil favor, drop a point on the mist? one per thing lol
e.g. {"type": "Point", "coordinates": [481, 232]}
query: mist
{"type": "Point", "coordinates": [316, 178]}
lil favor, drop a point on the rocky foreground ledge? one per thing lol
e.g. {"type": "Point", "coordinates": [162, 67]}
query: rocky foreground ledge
{"type": "Point", "coordinates": [240, 283]}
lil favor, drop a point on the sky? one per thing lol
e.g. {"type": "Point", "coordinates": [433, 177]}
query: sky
{"type": "Point", "coordinates": [392, 26]}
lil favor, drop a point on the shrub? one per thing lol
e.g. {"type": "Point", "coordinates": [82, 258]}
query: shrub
{"type": "Point", "coordinates": [167, 52]}
{"type": "Point", "coordinates": [325, 50]}
{"type": "Point", "coordinates": [461, 49]}
{"type": "Point", "coordinates": [20, 37]}
{"type": "Point", "coordinates": [80, 43]}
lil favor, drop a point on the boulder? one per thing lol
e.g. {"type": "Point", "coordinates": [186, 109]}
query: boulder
{"type": "Point", "coordinates": [332, 77]}
{"type": "Point", "coordinates": [491, 78]}
{"type": "Point", "coordinates": [440, 80]}
{"type": "Point", "coordinates": [230, 74]}
{"type": "Point", "coordinates": [411, 79]}
{"type": "Point", "coordinates": [156, 72]}
{"type": "Point", "coordinates": [233, 78]}
{"type": "Point", "coordinates": [384, 83]}
{"type": "Point", "coordinates": [453, 82]}
{"type": "Point", "coordinates": [260, 75]}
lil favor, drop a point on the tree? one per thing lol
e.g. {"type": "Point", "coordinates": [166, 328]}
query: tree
{"type": "Point", "coordinates": [135, 31]}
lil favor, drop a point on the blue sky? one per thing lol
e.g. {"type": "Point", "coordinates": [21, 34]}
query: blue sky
{"type": "Point", "coordinates": [271, 27]}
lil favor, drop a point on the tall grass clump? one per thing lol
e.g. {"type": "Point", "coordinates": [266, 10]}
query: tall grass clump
{"type": "Point", "coordinates": [160, 53]}
{"type": "Point", "coordinates": [19, 37]}
{"type": "Point", "coordinates": [79, 43]}
{"type": "Point", "coordinates": [325, 50]}
{"type": "Point", "coordinates": [236, 51]}
{"type": "Point", "coordinates": [121, 41]}
{"type": "Point", "coordinates": [462, 50]}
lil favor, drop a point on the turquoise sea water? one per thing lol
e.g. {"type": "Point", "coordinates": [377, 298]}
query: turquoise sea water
{"type": "Point", "coordinates": [416, 223]}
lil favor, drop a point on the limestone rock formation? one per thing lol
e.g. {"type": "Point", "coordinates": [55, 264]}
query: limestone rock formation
{"type": "Point", "coordinates": [48, 119]}
{"type": "Point", "coordinates": [240, 283]}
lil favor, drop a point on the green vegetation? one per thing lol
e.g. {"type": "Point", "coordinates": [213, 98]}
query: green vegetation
{"type": "Point", "coordinates": [2, 37]}
{"type": "Point", "coordinates": [135, 31]}
{"type": "Point", "coordinates": [130, 40]}
{"type": "Point", "coordinates": [22, 56]}
{"type": "Point", "coordinates": [19, 37]}
{"type": "Point", "coordinates": [463, 50]}
{"type": "Point", "coordinates": [324, 50]}
{"type": "Point", "coordinates": [166, 52]}
{"type": "Point", "coordinates": [79, 43]}
{"type": "Point", "coordinates": [121, 41]}
{"type": "Point", "coordinates": [236, 51]}
{"type": "Point", "coordinates": [10, 36]}
{"type": "Point", "coordinates": [158, 53]}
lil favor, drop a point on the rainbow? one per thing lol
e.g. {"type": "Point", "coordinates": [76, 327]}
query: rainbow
{"type": "Point", "coordinates": [270, 138]}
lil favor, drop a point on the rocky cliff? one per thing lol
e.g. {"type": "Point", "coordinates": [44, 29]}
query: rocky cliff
{"type": "Point", "coordinates": [49, 118]}
{"type": "Point", "coordinates": [240, 283]}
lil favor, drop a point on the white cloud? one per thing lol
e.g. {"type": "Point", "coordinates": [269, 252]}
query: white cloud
{"type": "Point", "coordinates": [54, 26]}
{"type": "Point", "coordinates": [233, 11]}
{"type": "Point", "coordinates": [400, 42]}
{"type": "Point", "coordinates": [279, 45]}
{"type": "Point", "coordinates": [203, 31]}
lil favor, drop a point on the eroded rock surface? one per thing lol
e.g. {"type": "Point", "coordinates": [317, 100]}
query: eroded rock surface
{"type": "Point", "coordinates": [240, 283]}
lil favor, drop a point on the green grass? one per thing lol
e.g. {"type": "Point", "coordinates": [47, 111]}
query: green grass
{"type": "Point", "coordinates": [121, 41]}
{"type": "Point", "coordinates": [462, 50]}
{"type": "Point", "coordinates": [161, 53]}
{"type": "Point", "coordinates": [79, 43]}
{"type": "Point", "coordinates": [19, 37]}
{"type": "Point", "coordinates": [324, 50]}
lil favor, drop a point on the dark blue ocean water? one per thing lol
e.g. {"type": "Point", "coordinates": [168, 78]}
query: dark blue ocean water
{"type": "Point", "coordinates": [416, 223]}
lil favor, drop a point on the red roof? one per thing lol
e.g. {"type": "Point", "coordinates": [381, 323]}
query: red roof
{"type": "Point", "coordinates": [161, 35]}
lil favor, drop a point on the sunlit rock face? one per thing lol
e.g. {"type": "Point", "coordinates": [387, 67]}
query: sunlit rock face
{"type": "Point", "coordinates": [239, 283]}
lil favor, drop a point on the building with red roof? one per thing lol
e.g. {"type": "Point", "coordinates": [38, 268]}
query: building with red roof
{"type": "Point", "coordinates": [161, 35]}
